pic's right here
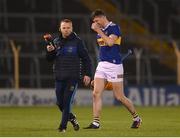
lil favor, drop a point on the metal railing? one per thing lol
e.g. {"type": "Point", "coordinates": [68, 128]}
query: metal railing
{"type": "Point", "coordinates": [142, 68]}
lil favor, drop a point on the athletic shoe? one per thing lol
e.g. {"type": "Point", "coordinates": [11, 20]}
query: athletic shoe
{"type": "Point", "coordinates": [75, 124]}
{"type": "Point", "coordinates": [62, 130]}
{"type": "Point", "coordinates": [92, 126]}
{"type": "Point", "coordinates": [136, 122]}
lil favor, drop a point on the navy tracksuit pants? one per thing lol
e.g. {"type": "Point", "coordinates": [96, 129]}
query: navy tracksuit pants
{"type": "Point", "coordinates": [65, 91]}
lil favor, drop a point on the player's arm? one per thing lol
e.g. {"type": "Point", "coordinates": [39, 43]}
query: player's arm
{"type": "Point", "coordinates": [109, 40]}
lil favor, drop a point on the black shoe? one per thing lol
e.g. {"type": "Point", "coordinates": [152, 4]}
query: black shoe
{"type": "Point", "coordinates": [136, 122]}
{"type": "Point", "coordinates": [61, 130]}
{"type": "Point", "coordinates": [92, 126]}
{"type": "Point", "coordinates": [75, 124]}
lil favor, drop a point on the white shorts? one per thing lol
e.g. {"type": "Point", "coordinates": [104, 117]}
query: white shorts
{"type": "Point", "coordinates": [109, 71]}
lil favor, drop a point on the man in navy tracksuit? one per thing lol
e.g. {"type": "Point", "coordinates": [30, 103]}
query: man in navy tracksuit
{"type": "Point", "coordinates": [68, 53]}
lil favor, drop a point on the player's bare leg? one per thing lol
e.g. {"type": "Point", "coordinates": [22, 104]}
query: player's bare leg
{"type": "Point", "coordinates": [97, 96]}
{"type": "Point", "coordinates": [97, 102]}
{"type": "Point", "coordinates": [118, 91]}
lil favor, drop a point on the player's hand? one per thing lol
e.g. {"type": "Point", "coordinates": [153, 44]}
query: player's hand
{"type": "Point", "coordinates": [86, 80]}
{"type": "Point", "coordinates": [92, 84]}
{"type": "Point", "coordinates": [95, 27]}
{"type": "Point", "coordinates": [50, 48]}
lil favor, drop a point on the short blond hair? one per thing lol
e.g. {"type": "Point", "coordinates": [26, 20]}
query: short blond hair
{"type": "Point", "coordinates": [66, 21]}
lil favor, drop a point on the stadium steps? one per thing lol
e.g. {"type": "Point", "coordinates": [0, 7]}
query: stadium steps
{"type": "Point", "coordinates": [131, 27]}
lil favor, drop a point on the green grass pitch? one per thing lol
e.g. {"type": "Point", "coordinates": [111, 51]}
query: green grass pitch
{"type": "Point", "coordinates": [115, 122]}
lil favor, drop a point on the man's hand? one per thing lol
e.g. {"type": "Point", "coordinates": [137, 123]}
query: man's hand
{"type": "Point", "coordinates": [86, 80]}
{"type": "Point", "coordinates": [92, 84]}
{"type": "Point", "coordinates": [50, 48]}
{"type": "Point", "coordinates": [95, 27]}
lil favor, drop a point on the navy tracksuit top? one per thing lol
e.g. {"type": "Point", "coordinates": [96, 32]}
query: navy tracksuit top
{"type": "Point", "coordinates": [71, 60]}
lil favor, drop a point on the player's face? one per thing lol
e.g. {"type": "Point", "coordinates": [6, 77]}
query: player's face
{"type": "Point", "coordinates": [99, 20]}
{"type": "Point", "coordinates": [66, 29]}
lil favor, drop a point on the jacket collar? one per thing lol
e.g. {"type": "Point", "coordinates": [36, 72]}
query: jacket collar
{"type": "Point", "coordinates": [71, 36]}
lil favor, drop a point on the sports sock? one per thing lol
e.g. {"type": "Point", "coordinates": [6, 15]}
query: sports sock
{"type": "Point", "coordinates": [71, 116]}
{"type": "Point", "coordinates": [135, 115]}
{"type": "Point", "coordinates": [96, 121]}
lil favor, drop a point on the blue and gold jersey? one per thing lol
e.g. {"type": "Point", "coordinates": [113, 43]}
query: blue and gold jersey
{"type": "Point", "coordinates": [110, 53]}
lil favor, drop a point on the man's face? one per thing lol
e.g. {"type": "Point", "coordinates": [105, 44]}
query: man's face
{"type": "Point", "coordinates": [99, 20]}
{"type": "Point", "coordinates": [66, 28]}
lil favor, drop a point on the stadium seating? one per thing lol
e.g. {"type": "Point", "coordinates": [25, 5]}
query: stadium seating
{"type": "Point", "coordinates": [25, 21]}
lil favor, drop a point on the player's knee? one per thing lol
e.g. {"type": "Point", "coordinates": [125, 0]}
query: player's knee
{"type": "Point", "coordinates": [96, 94]}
